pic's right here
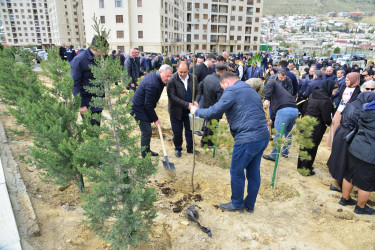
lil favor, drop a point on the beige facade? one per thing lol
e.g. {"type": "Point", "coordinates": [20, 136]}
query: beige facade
{"type": "Point", "coordinates": [175, 26]}
{"type": "Point", "coordinates": [43, 22]}
{"type": "Point", "coordinates": [138, 23]}
{"type": "Point", "coordinates": [223, 25]}
{"type": "Point", "coordinates": [67, 22]}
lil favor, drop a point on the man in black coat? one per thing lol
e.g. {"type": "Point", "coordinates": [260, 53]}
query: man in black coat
{"type": "Point", "coordinates": [205, 68]}
{"type": "Point", "coordinates": [62, 52]}
{"type": "Point", "coordinates": [144, 102]}
{"type": "Point", "coordinates": [180, 92]}
{"type": "Point", "coordinates": [211, 89]}
{"type": "Point", "coordinates": [122, 57]}
{"type": "Point", "coordinates": [315, 83]}
{"type": "Point", "coordinates": [133, 70]}
{"type": "Point", "coordinates": [82, 75]}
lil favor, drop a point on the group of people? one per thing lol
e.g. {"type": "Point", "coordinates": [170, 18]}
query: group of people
{"type": "Point", "coordinates": [215, 86]}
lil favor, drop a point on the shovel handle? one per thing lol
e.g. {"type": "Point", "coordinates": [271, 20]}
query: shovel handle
{"type": "Point", "coordinates": [162, 140]}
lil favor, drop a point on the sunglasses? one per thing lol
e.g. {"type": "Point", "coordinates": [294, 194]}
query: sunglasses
{"type": "Point", "coordinates": [370, 89]}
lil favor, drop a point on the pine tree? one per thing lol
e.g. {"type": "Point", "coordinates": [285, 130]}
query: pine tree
{"type": "Point", "coordinates": [119, 206]}
{"type": "Point", "coordinates": [49, 114]}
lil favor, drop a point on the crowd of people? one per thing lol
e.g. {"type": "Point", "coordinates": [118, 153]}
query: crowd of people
{"type": "Point", "coordinates": [209, 86]}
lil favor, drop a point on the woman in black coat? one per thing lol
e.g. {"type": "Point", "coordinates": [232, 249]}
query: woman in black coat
{"type": "Point", "coordinates": [319, 106]}
{"type": "Point", "coordinates": [338, 160]}
{"type": "Point", "coordinates": [361, 171]}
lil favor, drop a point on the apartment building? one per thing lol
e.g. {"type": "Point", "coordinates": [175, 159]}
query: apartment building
{"type": "Point", "coordinates": [223, 25]}
{"type": "Point", "coordinates": [43, 22]}
{"type": "Point", "coordinates": [150, 25]}
{"type": "Point", "coordinates": [67, 22]}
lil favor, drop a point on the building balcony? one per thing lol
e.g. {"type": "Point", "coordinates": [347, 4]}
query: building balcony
{"type": "Point", "coordinates": [223, 1]}
{"type": "Point", "coordinates": [225, 11]}
{"type": "Point", "coordinates": [214, 10]}
{"type": "Point", "coordinates": [188, 9]}
{"type": "Point", "coordinates": [249, 23]}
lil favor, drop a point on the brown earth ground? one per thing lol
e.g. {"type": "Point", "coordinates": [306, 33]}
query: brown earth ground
{"type": "Point", "coordinates": [300, 214]}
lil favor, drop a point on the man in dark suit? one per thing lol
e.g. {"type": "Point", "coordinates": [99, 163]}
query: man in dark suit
{"type": "Point", "coordinates": [180, 95]}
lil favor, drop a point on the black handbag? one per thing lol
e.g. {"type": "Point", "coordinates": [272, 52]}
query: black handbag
{"type": "Point", "coordinates": [349, 137]}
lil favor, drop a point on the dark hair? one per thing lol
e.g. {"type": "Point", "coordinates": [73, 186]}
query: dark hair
{"type": "Point", "coordinates": [228, 75]}
{"type": "Point", "coordinates": [283, 63]}
{"type": "Point", "coordinates": [220, 59]}
{"type": "Point", "coordinates": [99, 41]}
{"type": "Point", "coordinates": [201, 57]}
{"type": "Point", "coordinates": [113, 52]}
{"type": "Point", "coordinates": [220, 67]}
{"type": "Point", "coordinates": [281, 72]}
{"type": "Point", "coordinates": [306, 70]}
{"type": "Point", "coordinates": [210, 57]}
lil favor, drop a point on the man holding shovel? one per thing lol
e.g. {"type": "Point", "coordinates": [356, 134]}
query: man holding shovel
{"type": "Point", "coordinates": [144, 102]}
{"type": "Point", "coordinates": [244, 111]}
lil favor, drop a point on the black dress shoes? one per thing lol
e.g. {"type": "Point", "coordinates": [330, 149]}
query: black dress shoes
{"type": "Point", "coordinates": [178, 153]}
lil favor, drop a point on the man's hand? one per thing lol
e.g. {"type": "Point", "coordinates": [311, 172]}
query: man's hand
{"type": "Point", "coordinates": [196, 104]}
{"type": "Point", "coordinates": [266, 103]}
{"type": "Point", "coordinates": [83, 110]}
{"type": "Point", "coordinates": [132, 85]}
{"type": "Point", "coordinates": [269, 122]}
{"type": "Point", "coordinates": [193, 109]}
{"type": "Point", "coordinates": [157, 123]}
{"type": "Point", "coordinates": [190, 105]}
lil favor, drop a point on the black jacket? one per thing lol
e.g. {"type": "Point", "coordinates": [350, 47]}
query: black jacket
{"type": "Point", "coordinates": [211, 90]}
{"type": "Point", "coordinates": [320, 106]}
{"type": "Point", "coordinates": [82, 75]}
{"type": "Point", "coordinates": [363, 144]}
{"type": "Point", "coordinates": [176, 95]}
{"type": "Point", "coordinates": [279, 97]}
{"type": "Point", "coordinates": [146, 97]}
{"type": "Point", "coordinates": [133, 70]}
{"type": "Point", "coordinates": [201, 71]}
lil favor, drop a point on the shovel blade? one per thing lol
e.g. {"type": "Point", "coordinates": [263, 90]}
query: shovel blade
{"type": "Point", "coordinates": [169, 167]}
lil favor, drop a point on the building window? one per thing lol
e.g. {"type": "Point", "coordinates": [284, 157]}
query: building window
{"type": "Point", "coordinates": [140, 19]}
{"type": "Point", "coordinates": [119, 19]}
{"type": "Point", "coordinates": [122, 48]}
{"type": "Point", "coordinates": [101, 4]}
{"type": "Point", "coordinates": [196, 36]}
{"type": "Point", "coordinates": [256, 29]}
{"type": "Point", "coordinates": [196, 16]}
{"type": "Point", "coordinates": [238, 47]}
{"type": "Point", "coordinates": [231, 28]}
{"type": "Point", "coordinates": [232, 18]}
{"type": "Point", "coordinates": [102, 19]}
{"type": "Point", "coordinates": [205, 16]}
{"type": "Point", "coordinates": [240, 8]}
{"type": "Point", "coordinates": [139, 3]}
{"type": "Point", "coordinates": [257, 19]}
{"type": "Point", "coordinates": [240, 18]}
{"type": "Point", "coordinates": [196, 26]}
{"type": "Point", "coordinates": [196, 5]}
{"type": "Point", "coordinates": [140, 34]}
{"type": "Point", "coordinates": [120, 34]}
{"type": "Point", "coordinates": [239, 28]}
{"type": "Point", "coordinates": [258, 1]}
{"type": "Point", "coordinates": [118, 3]}
{"type": "Point", "coordinates": [255, 47]}
{"type": "Point", "coordinates": [238, 38]}
{"type": "Point", "coordinates": [257, 10]}
{"type": "Point", "coordinates": [205, 6]}
{"type": "Point", "coordinates": [140, 48]}
{"type": "Point", "coordinates": [233, 8]}
{"type": "Point", "coordinates": [255, 38]}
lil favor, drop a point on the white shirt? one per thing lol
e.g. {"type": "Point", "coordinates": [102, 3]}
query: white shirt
{"type": "Point", "coordinates": [185, 81]}
{"type": "Point", "coordinates": [345, 98]}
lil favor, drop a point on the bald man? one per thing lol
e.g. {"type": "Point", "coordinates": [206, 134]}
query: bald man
{"type": "Point", "coordinates": [329, 75]}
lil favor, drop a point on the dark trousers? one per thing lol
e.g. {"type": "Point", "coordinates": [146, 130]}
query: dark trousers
{"type": "Point", "coordinates": [146, 133]}
{"type": "Point", "coordinates": [94, 121]}
{"type": "Point", "coordinates": [317, 136]}
{"type": "Point", "coordinates": [177, 126]}
{"type": "Point", "coordinates": [207, 132]}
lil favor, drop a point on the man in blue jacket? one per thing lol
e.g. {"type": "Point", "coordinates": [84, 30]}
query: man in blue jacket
{"type": "Point", "coordinates": [244, 111]}
{"type": "Point", "coordinates": [144, 102]}
{"type": "Point", "coordinates": [82, 75]}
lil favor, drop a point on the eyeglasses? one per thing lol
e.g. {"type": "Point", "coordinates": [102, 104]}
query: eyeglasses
{"type": "Point", "coordinates": [270, 67]}
{"type": "Point", "coordinates": [370, 89]}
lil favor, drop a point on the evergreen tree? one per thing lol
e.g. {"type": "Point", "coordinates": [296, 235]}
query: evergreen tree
{"type": "Point", "coordinates": [119, 206]}
{"type": "Point", "coordinates": [48, 112]}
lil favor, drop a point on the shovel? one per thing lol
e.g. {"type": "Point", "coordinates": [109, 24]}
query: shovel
{"type": "Point", "coordinates": [169, 167]}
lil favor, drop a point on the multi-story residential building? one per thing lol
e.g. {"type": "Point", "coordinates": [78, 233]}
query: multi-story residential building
{"type": "Point", "coordinates": [174, 26]}
{"type": "Point", "coordinates": [67, 22]}
{"type": "Point", "coordinates": [223, 25]}
{"type": "Point", "coordinates": [150, 25]}
{"type": "Point", "coordinates": [42, 22]}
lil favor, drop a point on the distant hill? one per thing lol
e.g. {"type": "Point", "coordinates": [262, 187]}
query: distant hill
{"type": "Point", "coordinates": [311, 7]}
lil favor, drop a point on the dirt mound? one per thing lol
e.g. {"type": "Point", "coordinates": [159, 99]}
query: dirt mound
{"type": "Point", "coordinates": [281, 192]}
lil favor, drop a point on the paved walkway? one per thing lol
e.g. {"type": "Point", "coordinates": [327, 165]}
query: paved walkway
{"type": "Point", "coordinates": [9, 237]}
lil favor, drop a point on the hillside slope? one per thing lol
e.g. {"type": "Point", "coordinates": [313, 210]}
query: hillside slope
{"type": "Point", "coordinates": [283, 7]}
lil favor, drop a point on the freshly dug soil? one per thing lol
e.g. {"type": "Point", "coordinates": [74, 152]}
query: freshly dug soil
{"type": "Point", "coordinates": [300, 213]}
